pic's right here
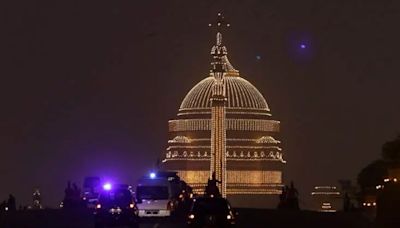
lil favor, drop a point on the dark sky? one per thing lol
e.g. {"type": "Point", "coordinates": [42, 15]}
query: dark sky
{"type": "Point", "coordinates": [88, 87]}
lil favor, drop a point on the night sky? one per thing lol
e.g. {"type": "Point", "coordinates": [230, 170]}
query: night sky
{"type": "Point", "coordinates": [87, 88]}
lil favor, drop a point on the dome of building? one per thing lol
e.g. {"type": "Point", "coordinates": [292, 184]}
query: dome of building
{"type": "Point", "coordinates": [240, 94]}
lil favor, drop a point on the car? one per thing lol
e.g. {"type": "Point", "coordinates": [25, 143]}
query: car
{"type": "Point", "coordinates": [153, 199]}
{"type": "Point", "coordinates": [116, 206]}
{"type": "Point", "coordinates": [159, 194]}
{"type": "Point", "coordinates": [91, 189]}
{"type": "Point", "coordinates": [211, 212]}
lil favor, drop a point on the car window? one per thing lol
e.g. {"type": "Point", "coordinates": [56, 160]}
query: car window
{"type": "Point", "coordinates": [152, 192]}
{"type": "Point", "coordinates": [119, 197]}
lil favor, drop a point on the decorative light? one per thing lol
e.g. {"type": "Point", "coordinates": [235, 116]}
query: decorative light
{"type": "Point", "coordinates": [231, 124]}
{"type": "Point", "coordinates": [107, 186]}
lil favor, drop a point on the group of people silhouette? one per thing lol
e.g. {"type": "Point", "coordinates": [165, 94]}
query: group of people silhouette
{"type": "Point", "coordinates": [8, 205]}
{"type": "Point", "coordinates": [289, 198]}
{"type": "Point", "coordinates": [72, 198]}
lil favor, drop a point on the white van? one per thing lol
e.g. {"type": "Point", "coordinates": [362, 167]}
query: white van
{"type": "Point", "coordinates": [153, 195]}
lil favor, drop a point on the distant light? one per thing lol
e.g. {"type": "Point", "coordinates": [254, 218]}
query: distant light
{"type": "Point", "coordinates": [107, 186]}
{"type": "Point", "coordinates": [395, 179]}
{"type": "Point", "coordinates": [6, 208]}
{"type": "Point", "coordinates": [303, 46]}
{"type": "Point", "coordinates": [98, 206]}
{"type": "Point", "coordinates": [191, 216]}
{"type": "Point", "coordinates": [152, 175]}
{"type": "Point", "coordinates": [258, 57]}
{"type": "Point", "coordinates": [229, 217]}
{"type": "Point", "coordinates": [131, 205]}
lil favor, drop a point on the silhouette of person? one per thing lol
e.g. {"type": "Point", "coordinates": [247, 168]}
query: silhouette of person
{"type": "Point", "coordinates": [292, 197]}
{"type": "Point", "coordinates": [76, 196]}
{"type": "Point", "coordinates": [11, 203]}
{"type": "Point", "coordinates": [212, 188]}
{"type": "Point", "coordinates": [282, 198]}
{"type": "Point", "coordinates": [68, 197]}
{"type": "Point", "coordinates": [3, 206]}
{"type": "Point", "coordinates": [346, 202]}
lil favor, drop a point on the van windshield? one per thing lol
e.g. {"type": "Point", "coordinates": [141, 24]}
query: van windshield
{"type": "Point", "coordinates": [152, 192]}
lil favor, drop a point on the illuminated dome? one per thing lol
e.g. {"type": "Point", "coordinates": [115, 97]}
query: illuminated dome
{"type": "Point", "coordinates": [224, 123]}
{"type": "Point", "coordinates": [241, 95]}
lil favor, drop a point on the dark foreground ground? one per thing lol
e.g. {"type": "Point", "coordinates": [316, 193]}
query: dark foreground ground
{"type": "Point", "coordinates": [246, 218]}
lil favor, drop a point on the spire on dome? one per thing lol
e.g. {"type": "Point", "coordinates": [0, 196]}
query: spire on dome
{"type": "Point", "coordinates": [219, 52]}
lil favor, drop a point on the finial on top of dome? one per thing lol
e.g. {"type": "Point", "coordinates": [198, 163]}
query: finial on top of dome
{"type": "Point", "coordinates": [218, 51]}
{"type": "Point", "coordinates": [220, 23]}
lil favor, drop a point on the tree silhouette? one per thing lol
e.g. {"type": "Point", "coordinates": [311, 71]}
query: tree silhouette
{"type": "Point", "coordinates": [391, 150]}
{"type": "Point", "coordinates": [372, 175]}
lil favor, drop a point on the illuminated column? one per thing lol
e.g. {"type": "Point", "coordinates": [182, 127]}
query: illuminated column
{"type": "Point", "coordinates": [218, 102]}
{"type": "Point", "coordinates": [218, 133]}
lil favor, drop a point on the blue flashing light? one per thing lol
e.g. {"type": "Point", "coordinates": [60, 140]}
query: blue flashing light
{"type": "Point", "coordinates": [152, 175]}
{"type": "Point", "coordinates": [107, 186]}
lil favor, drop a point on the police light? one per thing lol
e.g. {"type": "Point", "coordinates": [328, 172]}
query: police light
{"type": "Point", "coordinates": [107, 186]}
{"type": "Point", "coordinates": [152, 175]}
